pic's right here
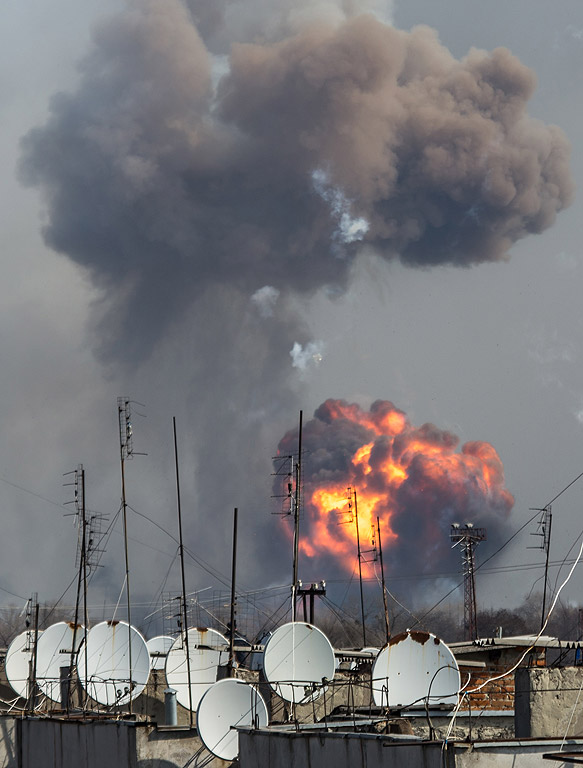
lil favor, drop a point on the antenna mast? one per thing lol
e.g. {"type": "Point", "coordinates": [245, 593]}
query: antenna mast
{"type": "Point", "coordinates": [126, 452]}
{"type": "Point", "coordinates": [387, 625]}
{"type": "Point", "coordinates": [297, 504]}
{"type": "Point", "coordinates": [468, 536]}
{"type": "Point", "coordinates": [183, 601]}
{"type": "Point", "coordinates": [350, 495]}
{"type": "Point", "coordinates": [233, 598]}
{"type": "Point", "coordinates": [79, 501]}
{"type": "Point", "coordinates": [544, 531]}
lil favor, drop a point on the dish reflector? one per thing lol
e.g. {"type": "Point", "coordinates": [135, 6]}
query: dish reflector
{"type": "Point", "coordinates": [104, 667]}
{"type": "Point", "coordinates": [413, 668]}
{"type": "Point", "coordinates": [158, 648]}
{"type": "Point", "coordinates": [297, 657]}
{"type": "Point", "coordinates": [207, 649]}
{"type": "Point", "coordinates": [226, 705]}
{"type": "Point", "coordinates": [18, 661]}
{"type": "Point", "coordinates": [53, 652]}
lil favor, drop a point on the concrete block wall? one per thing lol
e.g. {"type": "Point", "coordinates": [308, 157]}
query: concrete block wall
{"type": "Point", "coordinates": [549, 702]}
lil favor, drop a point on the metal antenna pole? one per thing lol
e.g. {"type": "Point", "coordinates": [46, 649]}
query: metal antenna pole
{"type": "Point", "coordinates": [233, 598]}
{"type": "Point", "coordinates": [359, 570]}
{"type": "Point", "coordinates": [80, 500]}
{"type": "Point", "coordinates": [387, 625]}
{"type": "Point", "coordinates": [85, 609]}
{"type": "Point", "coordinates": [297, 520]}
{"type": "Point", "coordinates": [32, 679]}
{"type": "Point", "coordinates": [547, 544]}
{"type": "Point", "coordinates": [125, 431]}
{"type": "Point", "coordinates": [184, 610]}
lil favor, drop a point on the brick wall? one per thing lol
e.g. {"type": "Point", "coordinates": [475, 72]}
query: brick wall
{"type": "Point", "coordinates": [498, 694]}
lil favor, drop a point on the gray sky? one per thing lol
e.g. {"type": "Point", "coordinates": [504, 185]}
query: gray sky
{"type": "Point", "coordinates": [489, 351]}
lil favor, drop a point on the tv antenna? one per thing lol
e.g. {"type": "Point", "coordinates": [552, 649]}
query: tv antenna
{"type": "Point", "coordinates": [544, 532]}
{"type": "Point", "coordinates": [126, 451]}
{"type": "Point", "coordinates": [292, 503]}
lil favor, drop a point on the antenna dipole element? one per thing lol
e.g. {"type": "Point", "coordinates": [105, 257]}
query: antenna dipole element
{"type": "Point", "coordinates": [468, 536]}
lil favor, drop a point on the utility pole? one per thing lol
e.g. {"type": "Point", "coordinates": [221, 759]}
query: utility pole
{"type": "Point", "coordinates": [468, 536]}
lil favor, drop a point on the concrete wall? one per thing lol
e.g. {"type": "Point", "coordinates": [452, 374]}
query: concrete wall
{"type": "Point", "coordinates": [468, 726]}
{"type": "Point", "coordinates": [549, 702]}
{"type": "Point", "coordinates": [511, 754]}
{"type": "Point", "coordinates": [170, 749]}
{"type": "Point", "coordinates": [8, 742]}
{"type": "Point", "coordinates": [260, 749]}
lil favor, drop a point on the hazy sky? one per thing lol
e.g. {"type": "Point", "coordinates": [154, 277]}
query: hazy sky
{"type": "Point", "coordinates": [490, 351]}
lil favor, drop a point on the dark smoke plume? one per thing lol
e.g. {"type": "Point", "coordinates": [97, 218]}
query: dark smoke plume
{"type": "Point", "coordinates": [343, 134]}
{"type": "Point", "coordinates": [414, 479]}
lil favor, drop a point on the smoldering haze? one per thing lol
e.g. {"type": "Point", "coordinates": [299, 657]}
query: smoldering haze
{"type": "Point", "coordinates": [203, 206]}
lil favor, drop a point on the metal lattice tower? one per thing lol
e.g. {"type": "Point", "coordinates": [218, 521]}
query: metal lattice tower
{"type": "Point", "coordinates": [468, 536]}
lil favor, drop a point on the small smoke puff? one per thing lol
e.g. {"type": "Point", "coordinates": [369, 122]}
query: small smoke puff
{"type": "Point", "coordinates": [350, 229]}
{"type": "Point", "coordinates": [265, 300]}
{"type": "Point", "coordinates": [303, 357]}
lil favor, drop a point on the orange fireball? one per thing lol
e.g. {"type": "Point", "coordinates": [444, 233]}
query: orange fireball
{"type": "Point", "coordinates": [414, 480]}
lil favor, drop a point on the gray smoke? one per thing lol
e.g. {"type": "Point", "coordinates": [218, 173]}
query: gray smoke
{"type": "Point", "coordinates": [203, 197]}
{"type": "Point", "coordinates": [343, 134]}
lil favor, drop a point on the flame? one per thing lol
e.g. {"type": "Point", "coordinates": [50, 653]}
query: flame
{"type": "Point", "coordinates": [412, 482]}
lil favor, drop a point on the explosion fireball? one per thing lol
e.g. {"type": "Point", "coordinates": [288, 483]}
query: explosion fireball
{"type": "Point", "coordinates": [414, 479]}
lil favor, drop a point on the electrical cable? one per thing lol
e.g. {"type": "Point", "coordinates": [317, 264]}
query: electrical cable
{"type": "Point", "coordinates": [526, 652]}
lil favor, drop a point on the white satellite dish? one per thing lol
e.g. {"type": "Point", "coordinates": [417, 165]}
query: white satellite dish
{"type": "Point", "coordinates": [158, 648]}
{"type": "Point", "coordinates": [104, 665]}
{"type": "Point", "coordinates": [226, 705]}
{"type": "Point", "coordinates": [207, 649]}
{"type": "Point", "coordinates": [296, 659]}
{"type": "Point", "coordinates": [53, 652]}
{"type": "Point", "coordinates": [19, 657]}
{"type": "Point", "coordinates": [415, 668]}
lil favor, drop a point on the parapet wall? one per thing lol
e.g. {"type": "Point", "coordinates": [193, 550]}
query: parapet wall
{"type": "Point", "coordinates": [548, 702]}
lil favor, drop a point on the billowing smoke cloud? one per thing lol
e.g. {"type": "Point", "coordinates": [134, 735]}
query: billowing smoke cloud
{"type": "Point", "coordinates": [414, 479]}
{"type": "Point", "coordinates": [344, 134]}
{"type": "Point", "coordinates": [207, 197]}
